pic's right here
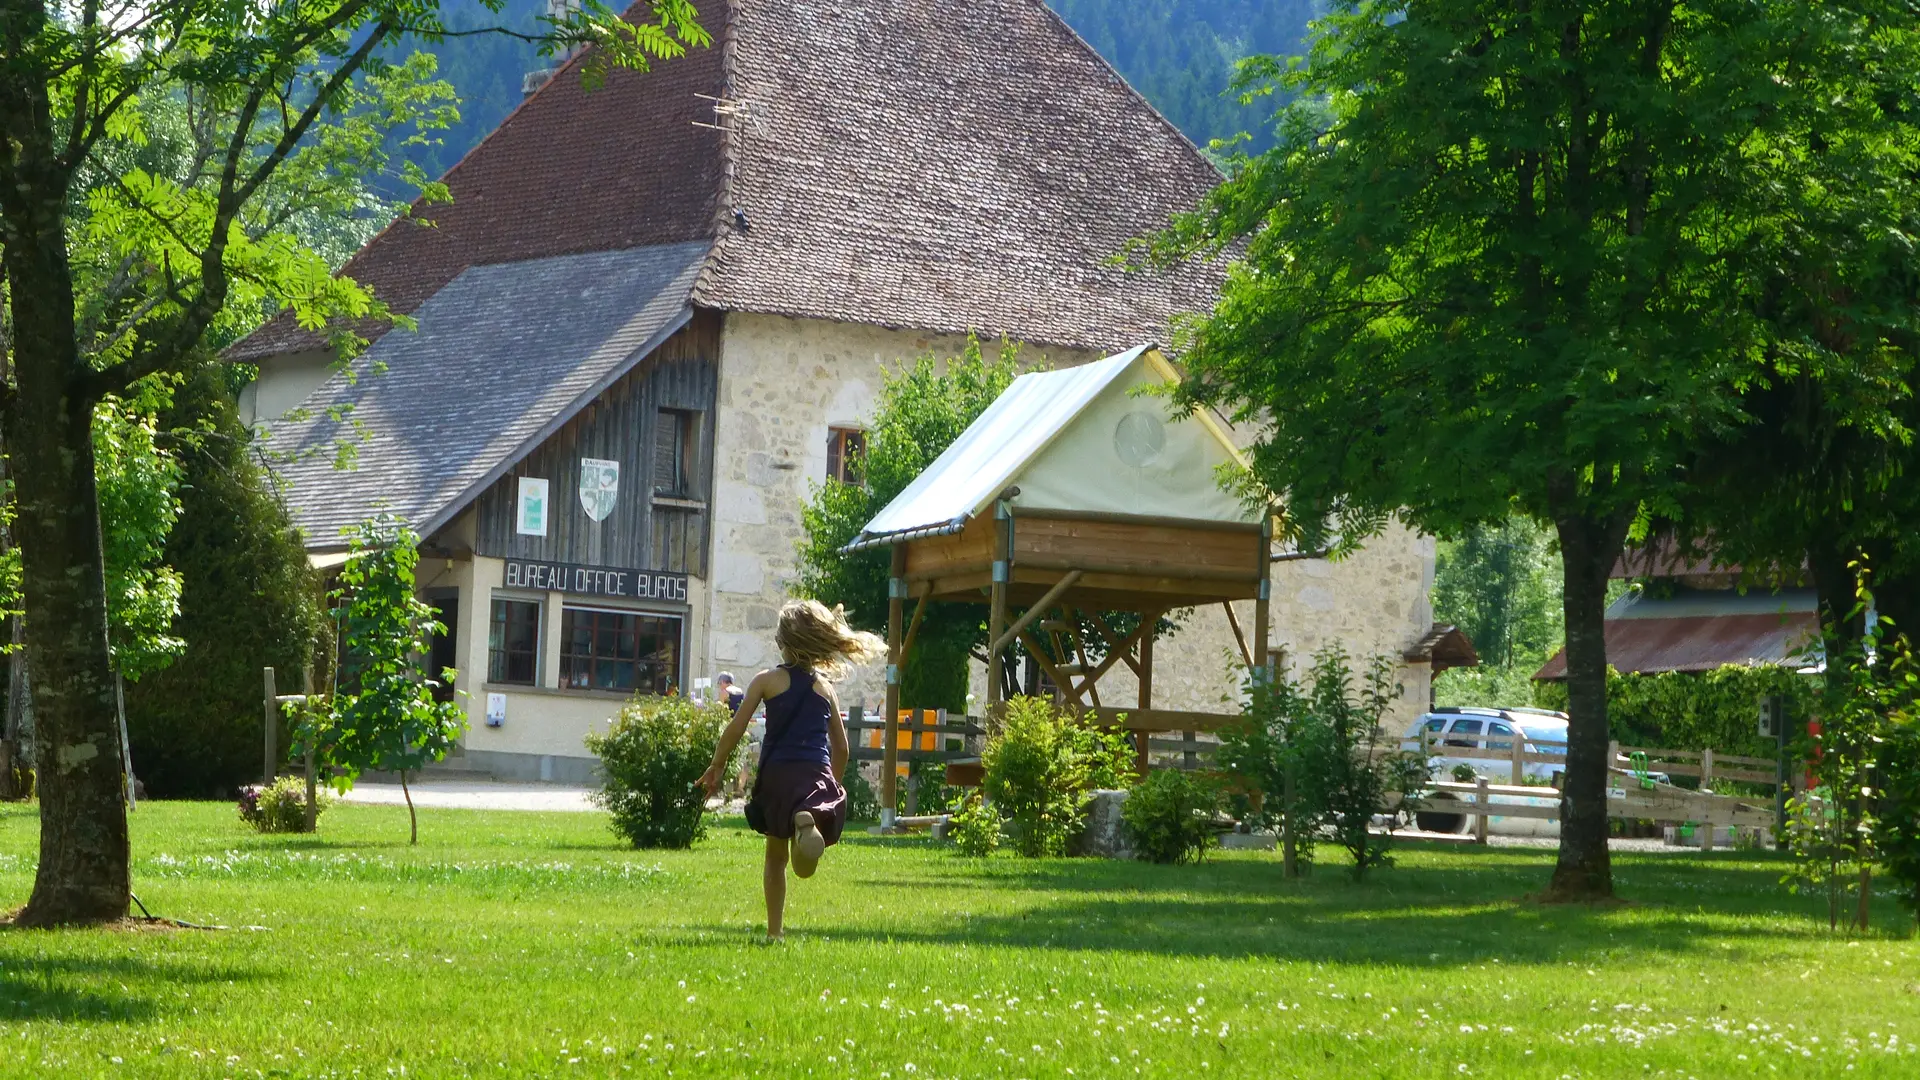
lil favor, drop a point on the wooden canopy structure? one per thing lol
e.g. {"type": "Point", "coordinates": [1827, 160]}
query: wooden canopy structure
{"type": "Point", "coordinates": [1069, 500]}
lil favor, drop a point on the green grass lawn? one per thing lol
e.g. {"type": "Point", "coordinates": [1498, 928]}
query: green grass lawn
{"type": "Point", "coordinates": [520, 944]}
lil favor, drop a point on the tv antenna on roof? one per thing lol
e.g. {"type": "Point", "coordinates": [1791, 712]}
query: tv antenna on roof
{"type": "Point", "coordinates": [726, 109]}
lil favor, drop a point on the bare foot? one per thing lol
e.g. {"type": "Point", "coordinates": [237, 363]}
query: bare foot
{"type": "Point", "coordinates": [808, 844]}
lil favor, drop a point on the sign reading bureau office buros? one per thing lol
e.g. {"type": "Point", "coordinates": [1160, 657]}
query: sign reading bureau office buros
{"type": "Point", "coordinates": [597, 581]}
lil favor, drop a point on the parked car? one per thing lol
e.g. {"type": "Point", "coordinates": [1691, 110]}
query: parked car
{"type": "Point", "coordinates": [1491, 731]}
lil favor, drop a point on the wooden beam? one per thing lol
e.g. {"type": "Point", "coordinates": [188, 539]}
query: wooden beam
{"type": "Point", "coordinates": [1141, 756]}
{"type": "Point", "coordinates": [1123, 649]}
{"type": "Point", "coordinates": [1117, 653]}
{"type": "Point", "coordinates": [1080, 650]}
{"type": "Point", "coordinates": [1144, 570]}
{"type": "Point", "coordinates": [1262, 604]}
{"type": "Point", "coordinates": [1151, 520]}
{"type": "Point", "coordinates": [1001, 575]}
{"type": "Point", "coordinates": [1238, 637]}
{"type": "Point", "coordinates": [890, 758]}
{"type": "Point", "coordinates": [1039, 657]}
{"type": "Point", "coordinates": [913, 626]}
{"type": "Point", "coordinates": [1034, 612]}
{"type": "Point", "coordinates": [1160, 719]}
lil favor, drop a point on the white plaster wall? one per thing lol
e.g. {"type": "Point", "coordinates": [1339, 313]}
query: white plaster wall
{"type": "Point", "coordinates": [284, 382]}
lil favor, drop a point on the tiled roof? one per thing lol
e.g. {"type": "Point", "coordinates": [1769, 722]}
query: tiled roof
{"type": "Point", "coordinates": [504, 355]}
{"type": "Point", "coordinates": [948, 166]}
{"type": "Point", "coordinates": [944, 165]}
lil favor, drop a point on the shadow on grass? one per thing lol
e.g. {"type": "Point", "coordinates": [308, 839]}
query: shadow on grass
{"type": "Point", "coordinates": [56, 988]}
{"type": "Point", "coordinates": [1473, 908]}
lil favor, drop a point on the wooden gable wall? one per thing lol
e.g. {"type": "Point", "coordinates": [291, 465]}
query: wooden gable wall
{"type": "Point", "coordinates": [644, 531]}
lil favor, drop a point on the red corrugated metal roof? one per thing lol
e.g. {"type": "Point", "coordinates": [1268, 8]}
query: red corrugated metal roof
{"type": "Point", "coordinates": [1699, 643]}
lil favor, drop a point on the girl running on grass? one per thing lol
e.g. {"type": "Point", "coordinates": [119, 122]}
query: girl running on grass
{"type": "Point", "coordinates": [805, 748]}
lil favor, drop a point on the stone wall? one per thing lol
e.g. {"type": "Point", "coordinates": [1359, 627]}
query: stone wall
{"type": "Point", "coordinates": [1377, 601]}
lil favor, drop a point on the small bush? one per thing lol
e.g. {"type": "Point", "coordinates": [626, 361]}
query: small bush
{"type": "Point", "coordinates": [280, 807]}
{"type": "Point", "coordinates": [652, 757]}
{"type": "Point", "coordinates": [1040, 768]}
{"type": "Point", "coordinates": [1169, 816]}
{"type": "Point", "coordinates": [975, 828]}
{"type": "Point", "coordinates": [23, 779]}
{"type": "Point", "coordinates": [862, 803]}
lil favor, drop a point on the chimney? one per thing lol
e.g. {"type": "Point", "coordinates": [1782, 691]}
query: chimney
{"type": "Point", "coordinates": [558, 11]}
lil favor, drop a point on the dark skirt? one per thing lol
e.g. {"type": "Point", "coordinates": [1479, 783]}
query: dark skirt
{"type": "Point", "coordinates": [787, 787]}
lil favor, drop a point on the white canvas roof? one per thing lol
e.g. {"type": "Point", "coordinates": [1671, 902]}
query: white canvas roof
{"type": "Point", "coordinates": [1078, 439]}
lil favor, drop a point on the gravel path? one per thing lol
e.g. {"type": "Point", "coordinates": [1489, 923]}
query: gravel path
{"type": "Point", "coordinates": [476, 795]}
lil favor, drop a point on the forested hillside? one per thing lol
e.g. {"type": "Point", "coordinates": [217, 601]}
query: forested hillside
{"type": "Point", "coordinates": [1179, 53]}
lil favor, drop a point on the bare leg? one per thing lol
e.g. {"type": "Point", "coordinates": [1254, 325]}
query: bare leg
{"type": "Point", "coordinates": [775, 883]}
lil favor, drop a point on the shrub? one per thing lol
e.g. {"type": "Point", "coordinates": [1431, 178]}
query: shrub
{"type": "Point", "coordinates": [1040, 767]}
{"type": "Point", "coordinates": [862, 803]}
{"type": "Point", "coordinates": [1319, 741]}
{"type": "Point", "coordinates": [280, 807]}
{"type": "Point", "coordinates": [975, 828]}
{"type": "Point", "coordinates": [1169, 816]}
{"type": "Point", "coordinates": [248, 601]}
{"type": "Point", "coordinates": [653, 756]}
{"type": "Point", "coordinates": [23, 783]}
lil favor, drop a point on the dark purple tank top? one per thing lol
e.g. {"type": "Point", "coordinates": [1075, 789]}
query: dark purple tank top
{"type": "Point", "coordinates": [797, 723]}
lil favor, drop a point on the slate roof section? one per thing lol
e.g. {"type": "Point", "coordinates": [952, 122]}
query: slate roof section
{"type": "Point", "coordinates": [503, 356]}
{"type": "Point", "coordinates": [567, 172]}
{"type": "Point", "coordinates": [940, 165]}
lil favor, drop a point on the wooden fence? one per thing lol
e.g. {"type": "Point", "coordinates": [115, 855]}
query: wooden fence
{"type": "Point", "coordinates": [1511, 750]}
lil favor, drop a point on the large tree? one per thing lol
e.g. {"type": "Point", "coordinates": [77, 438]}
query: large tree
{"type": "Point", "coordinates": [71, 74]}
{"type": "Point", "coordinates": [1508, 257]}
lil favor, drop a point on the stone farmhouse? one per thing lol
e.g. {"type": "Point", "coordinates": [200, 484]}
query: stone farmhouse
{"type": "Point", "coordinates": [654, 316]}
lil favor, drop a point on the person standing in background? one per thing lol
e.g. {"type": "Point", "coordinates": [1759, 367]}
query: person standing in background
{"type": "Point", "coordinates": [731, 695]}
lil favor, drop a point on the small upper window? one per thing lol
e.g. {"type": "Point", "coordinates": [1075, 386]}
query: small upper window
{"type": "Point", "coordinates": [673, 453]}
{"type": "Point", "coordinates": [847, 454]}
{"type": "Point", "coordinates": [1462, 728]}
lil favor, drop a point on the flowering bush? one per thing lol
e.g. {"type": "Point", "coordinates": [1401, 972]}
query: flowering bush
{"type": "Point", "coordinates": [653, 756]}
{"type": "Point", "coordinates": [280, 807]}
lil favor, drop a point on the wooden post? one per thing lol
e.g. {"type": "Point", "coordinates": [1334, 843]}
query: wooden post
{"type": "Point", "coordinates": [1519, 758]}
{"type": "Point", "coordinates": [1613, 760]}
{"type": "Point", "coordinates": [1289, 851]}
{"type": "Point", "coordinates": [306, 706]}
{"type": "Point", "coordinates": [997, 606]}
{"type": "Point", "coordinates": [273, 722]}
{"type": "Point", "coordinates": [890, 752]}
{"type": "Point", "coordinates": [1706, 768]}
{"type": "Point", "coordinates": [1262, 662]}
{"type": "Point", "coordinates": [1480, 823]}
{"type": "Point", "coordinates": [1142, 739]}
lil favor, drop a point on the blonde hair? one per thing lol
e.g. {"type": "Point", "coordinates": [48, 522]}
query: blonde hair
{"type": "Point", "coordinates": [817, 638]}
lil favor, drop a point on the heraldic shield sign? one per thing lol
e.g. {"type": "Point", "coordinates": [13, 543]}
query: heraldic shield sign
{"type": "Point", "coordinates": [599, 487]}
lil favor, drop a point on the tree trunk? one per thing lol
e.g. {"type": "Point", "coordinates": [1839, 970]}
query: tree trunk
{"type": "Point", "coordinates": [16, 714]}
{"type": "Point", "coordinates": [82, 875]}
{"type": "Point", "coordinates": [1588, 551]}
{"type": "Point", "coordinates": [413, 819]}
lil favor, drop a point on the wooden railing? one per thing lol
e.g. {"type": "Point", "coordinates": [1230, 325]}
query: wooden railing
{"type": "Point", "coordinates": [1709, 765]}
